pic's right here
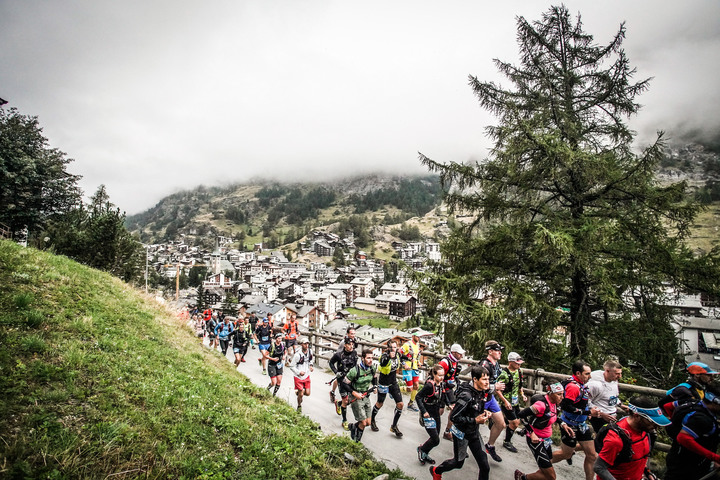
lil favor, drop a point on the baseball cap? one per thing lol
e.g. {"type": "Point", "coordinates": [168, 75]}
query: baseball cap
{"type": "Point", "coordinates": [493, 345]}
{"type": "Point", "coordinates": [556, 388]}
{"type": "Point", "coordinates": [515, 357]}
{"type": "Point", "coordinates": [303, 340]}
{"type": "Point", "coordinates": [265, 320]}
{"type": "Point", "coordinates": [457, 349]}
{"type": "Point", "coordinates": [278, 335]}
{"type": "Point", "coordinates": [697, 368]}
{"type": "Point", "coordinates": [655, 415]}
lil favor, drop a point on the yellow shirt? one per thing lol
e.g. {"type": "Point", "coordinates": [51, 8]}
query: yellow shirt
{"type": "Point", "coordinates": [411, 355]}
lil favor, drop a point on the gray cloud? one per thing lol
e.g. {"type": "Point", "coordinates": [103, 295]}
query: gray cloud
{"type": "Point", "coordinates": [152, 97]}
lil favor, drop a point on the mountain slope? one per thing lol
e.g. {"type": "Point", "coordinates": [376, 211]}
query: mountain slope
{"type": "Point", "coordinates": [260, 210]}
{"type": "Point", "coordinates": [98, 380]}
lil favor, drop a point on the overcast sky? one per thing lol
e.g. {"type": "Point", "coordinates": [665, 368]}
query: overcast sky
{"type": "Point", "coordinates": [151, 97]}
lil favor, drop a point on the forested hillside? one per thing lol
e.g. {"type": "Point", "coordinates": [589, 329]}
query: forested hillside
{"type": "Point", "coordinates": [278, 214]}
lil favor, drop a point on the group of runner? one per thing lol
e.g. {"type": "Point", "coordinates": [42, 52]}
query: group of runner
{"type": "Point", "coordinates": [616, 438]}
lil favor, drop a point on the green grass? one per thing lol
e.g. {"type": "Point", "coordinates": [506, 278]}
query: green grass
{"type": "Point", "coordinates": [98, 380]}
{"type": "Point", "coordinates": [370, 318]}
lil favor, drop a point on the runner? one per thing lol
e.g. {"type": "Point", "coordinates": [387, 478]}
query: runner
{"type": "Point", "coordinates": [263, 337]}
{"type": "Point", "coordinates": [497, 421]}
{"type": "Point", "coordinates": [223, 331]}
{"type": "Point", "coordinates": [340, 363]}
{"type": "Point", "coordinates": [387, 384]}
{"type": "Point", "coordinates": [468, 413]}
{"type": "Point", "coordinates": [575, 413]}
{"type": "Point", "coordinates": [253, 325]}
{"type": "Point", "coordinates": [692, 454]}
{"type": "Point", "coordinates": [210, 327]}
{"type": "Point", "coordinates": [624, 447]}
{"type": "Point", "coordinates": [349, 338]}
{"type": "Point", "coordinates": [275, 356]}
{"type": "Point", "coordinates": [199, 327]}
{"type": "Point", "coordinates": [452, 369]}
{"type": "Point", "coordinates": [604, 394]}
{"type": "Point", "coordinates": [700, 376]}
{"type": "Point", "coordinates": [241, 339]}
{"type": "Point", "coordinates": [301, 365]}
{"type": "Point", "coordinates": [291, 329]}
{"type": "Point", "coordinates": [360, 381]}
{"type": "Point", "coordinates": [430, 402]}
{"type": "Point", "coordinates": [542, 413]}
{"type": "Point", "coordinates": [512, 377]}
{"type": "Point", "coordinates": [411, 368]}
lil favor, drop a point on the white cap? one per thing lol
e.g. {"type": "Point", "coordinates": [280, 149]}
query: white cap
{"type": "Point", "coordinates": [457, 348]}
{"type": "Point", "coordinates": [515, 357]}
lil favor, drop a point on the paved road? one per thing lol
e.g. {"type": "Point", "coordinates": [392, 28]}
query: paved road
{"type": "Point", "coordinates": [393, 451]}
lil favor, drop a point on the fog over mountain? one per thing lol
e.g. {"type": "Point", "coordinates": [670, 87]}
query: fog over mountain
{"type": "Point", "coordinates": [153, 97]}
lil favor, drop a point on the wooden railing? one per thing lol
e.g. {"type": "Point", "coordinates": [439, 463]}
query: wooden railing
{"type": "Point", "coordinates": [325, 345]}
{"type": "Point", "coordinates": [5, 231]}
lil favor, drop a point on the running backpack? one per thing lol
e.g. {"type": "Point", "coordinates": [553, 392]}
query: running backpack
{"type": "Point", "coordinates": [626, 453]}
{"type": "Point", "coordinates": [536, 422]}
{"type": "Point", "coordinates": [679, 415]}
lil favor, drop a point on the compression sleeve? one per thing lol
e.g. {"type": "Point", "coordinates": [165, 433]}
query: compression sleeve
{"type": "Point", "coordinates": [687, 441]}
{"type": "Point", "coordinates": [526, 413]}
{"type": "Point", "coordinates": [602, 469]}
{"type": "Point", "coordinates": [422, 394]}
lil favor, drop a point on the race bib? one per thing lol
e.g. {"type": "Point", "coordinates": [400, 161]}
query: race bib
{"type": "Point", "coordinates": [514, 400]}
{"type": "Point", "coordinates": [430, 422]}
{"type": "Point", "coordinates": [547, 442]}
{"type": "Point", "coordinates": [383, 389]}
{"type": "Point", "coordinates": [265, 339]}
{"type": "Point", "coordinates": [583, 427]}
{"type": "Point", "coordinates": [458, 434]}
{"type": "Point", "coordinates": [613, 401]}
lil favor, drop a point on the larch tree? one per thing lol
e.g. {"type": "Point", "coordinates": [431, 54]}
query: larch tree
{"type": "Point", "coordinates": [573, 243]}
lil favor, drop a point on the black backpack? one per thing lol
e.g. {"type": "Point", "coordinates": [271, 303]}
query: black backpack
{"type": "Point", "coordinates": [538, 423]}
{"type": "Point", "coordinates": [679, 415]}
{"type": "Point", "coordinates": [626, 453]}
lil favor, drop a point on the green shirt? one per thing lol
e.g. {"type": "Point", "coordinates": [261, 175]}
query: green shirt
{"type": "Point", "coordinates": [512, 395]}
{"type": "Point", "coordinates": [361, 378]}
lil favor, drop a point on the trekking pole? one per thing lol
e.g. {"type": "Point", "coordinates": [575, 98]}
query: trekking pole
{"type": "Point", "coordinates": [710, 475]}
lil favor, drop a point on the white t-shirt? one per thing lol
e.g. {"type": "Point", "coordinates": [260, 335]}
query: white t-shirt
{"type": "Point", "coordinates": [604, 395]}
{"type": "Point", "coordinates": [300, 364]}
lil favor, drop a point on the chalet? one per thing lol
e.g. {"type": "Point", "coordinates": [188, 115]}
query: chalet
{"type": "Point", "coordinates": [394, 289]}
{"type": "Point", "coordinates": [218, 280]}
{"type": "Point", "coordinates": [402, 307]}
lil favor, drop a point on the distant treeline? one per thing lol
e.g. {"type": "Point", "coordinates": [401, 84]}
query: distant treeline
{"type": "Point", "coordinates": [414, 196]}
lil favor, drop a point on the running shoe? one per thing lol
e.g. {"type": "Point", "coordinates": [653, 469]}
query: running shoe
{"type": "Point", "coordinates": [373, 426]}
{"type": "Point", "coordinates": [264, 372]}
{"type": "Point", "coordinates": [394, 429]}
{"type": "Point", "coordinates": [491, 451]}
{"type": "Point", "coordinates": [447, 435]}
{"type": "Point", "coordinates": [338, 407]}
{"type": "Point", "coordinates": [435, 476]}
{"type": "Point", "coordinates": [421, 456]}
{"type": "Point", "coordinates": [519, 475]}
{"type": "Point", "coordinates": [346, 425]}
{"type": "Point", "coordinates": [429, 460]}
{"type": "Point", "coordinates": [332, 397]}
{"type": "Point", "coordinates": [413, 407]}
{"type": "Point", "coordinates": [242, 360]}
{"type": "Point", "coordinates": [569, 460]}
{"type": "Point", "coordinates": [510, 446]}
{"type": "Point", "coordinates": [299, 409]}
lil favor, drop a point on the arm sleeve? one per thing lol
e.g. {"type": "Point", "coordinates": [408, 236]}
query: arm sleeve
{"type": "Point", "coordinates": [602, 469]}
{"type": "Point", "coordinates": [687, 441]}
{"type": "Point", "coordinates": [422, 394]}
{"type": "Point", "coordinates": [333, 362]}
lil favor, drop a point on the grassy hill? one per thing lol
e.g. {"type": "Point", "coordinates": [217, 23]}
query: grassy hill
{"type": "Point", "coordinates": [98, 381]}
